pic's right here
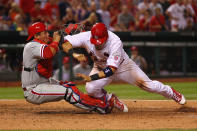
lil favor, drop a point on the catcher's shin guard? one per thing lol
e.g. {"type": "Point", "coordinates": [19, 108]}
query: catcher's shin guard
{"type": "Point", "coordinates": [84, 101]}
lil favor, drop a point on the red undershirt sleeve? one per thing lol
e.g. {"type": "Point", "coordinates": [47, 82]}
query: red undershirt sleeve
{"type": "Point", "coordinates": [47, 53]}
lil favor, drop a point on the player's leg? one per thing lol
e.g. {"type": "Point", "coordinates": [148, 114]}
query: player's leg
{"type": "Point", "coordinates": [46, 92]}
{"type": "Point", "coordinates": [136, 76]}
{"type": "Point", "coordinates": [76, 97]}
{"type": "Point", "coordinates": [96, 89]}
{"type": "Point", "coordinates": [52, 92]}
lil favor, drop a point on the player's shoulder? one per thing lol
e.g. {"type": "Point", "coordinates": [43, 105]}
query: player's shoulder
{"type": "Point", "coordinates": [32, 44]}
{"type": "Point", "coordinates": [173, 6]}
{"type": "Point", "coordinates": [113, 36]}
{"type": "Point", "coordinates": [86, 33]}
{"type": "Point", "coordinates": [79, 35]}
{"type": "Point", "coordinates": [76, 67]}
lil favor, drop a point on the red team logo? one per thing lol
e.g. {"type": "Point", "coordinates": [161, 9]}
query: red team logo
{"type": "Point", "coordinates": [116, 57]}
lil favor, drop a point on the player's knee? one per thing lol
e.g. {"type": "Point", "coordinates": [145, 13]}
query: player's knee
{"type": "Point", "coordinates": [157, 86]}
{"type": "Point", "coordinates": [147, 85]}
{"type": "Point", "coordinates": [152, 86]}
{"type": "Point", "coordinates": [92, 90]}
{"type": "Point", "coordinates": [33, 101]}
{"type": "Point", "coordinates": [72, 95]}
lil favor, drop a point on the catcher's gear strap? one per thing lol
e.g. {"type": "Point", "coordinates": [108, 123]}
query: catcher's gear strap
{"type": "Point", "coordinates": [84, 101]}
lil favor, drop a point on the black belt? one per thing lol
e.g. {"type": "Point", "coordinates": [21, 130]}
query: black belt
{"type": "Point", "coordinates": [29, 69]}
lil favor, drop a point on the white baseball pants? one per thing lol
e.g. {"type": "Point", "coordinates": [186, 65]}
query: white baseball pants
{"type": "Point", "coordinates": [128, 72]}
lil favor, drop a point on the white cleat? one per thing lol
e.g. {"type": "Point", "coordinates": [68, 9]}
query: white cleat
{"type": "Point", "coordinates": [125, 108]}
{"type": "Point", "coordinates": [178, 97]}
{"type": "Point", "coordinates": [119, 104]}
{"type": "Point", "coordinates": [183, 100]}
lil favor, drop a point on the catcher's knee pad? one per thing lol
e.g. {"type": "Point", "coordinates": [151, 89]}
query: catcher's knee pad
{"type": "Point", "coordinates": [84, 101]}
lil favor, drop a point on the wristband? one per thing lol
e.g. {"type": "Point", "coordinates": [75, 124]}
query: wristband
{"type": "Point", "coordinates": [94, 77]}
{"type": "Point", "coordinates": [108, 72]}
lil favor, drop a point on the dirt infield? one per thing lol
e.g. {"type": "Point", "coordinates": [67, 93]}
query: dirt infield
{"type": "Point", "coordinates": [18, 114]}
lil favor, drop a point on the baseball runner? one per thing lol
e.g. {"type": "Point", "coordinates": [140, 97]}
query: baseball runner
{"type": "Point", "coordinates": [37, 83]}
{"type": "Point", "coordinates": [112, 63]}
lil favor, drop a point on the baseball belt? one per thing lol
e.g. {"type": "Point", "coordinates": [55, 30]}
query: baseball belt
{"type": "Point", "coordinates": [28, 69]}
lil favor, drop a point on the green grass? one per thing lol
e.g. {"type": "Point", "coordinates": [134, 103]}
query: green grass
{"type": "Point", "coordinates": [124, 91]}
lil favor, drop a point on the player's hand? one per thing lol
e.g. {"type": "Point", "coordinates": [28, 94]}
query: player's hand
{"type": "Point", "coordinates": [79, 57]}
{"type": "Point", "coordinates": [56, 36]}
{"type": "Point", "coordinates": [84, 77]}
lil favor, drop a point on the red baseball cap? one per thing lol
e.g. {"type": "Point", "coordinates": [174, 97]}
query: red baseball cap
{"type": "Point", "coordinates": [35, 28]}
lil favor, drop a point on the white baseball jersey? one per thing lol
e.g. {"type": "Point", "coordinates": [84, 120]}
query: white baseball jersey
{"type": "Point", "coordinates": [33, 52]}
{"type": "Point", "coordinates": [177, 11]}
{"type": "Point", "coordinates": [114, 55]}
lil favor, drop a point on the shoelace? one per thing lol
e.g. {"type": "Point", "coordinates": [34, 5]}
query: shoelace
{"type": "Point", "coordinates": [118, 104]}
{"type": "Point", "coordinates": [177, 96]}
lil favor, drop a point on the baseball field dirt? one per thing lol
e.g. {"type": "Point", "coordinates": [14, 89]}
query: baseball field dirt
{"type": "Point", "coordinates": [18, 114]}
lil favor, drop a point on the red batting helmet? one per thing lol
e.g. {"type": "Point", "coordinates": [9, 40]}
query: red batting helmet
{"type": "Point", "coordinates": [99, 34]}
{"type": "Point", "coordinates": [35, 28]}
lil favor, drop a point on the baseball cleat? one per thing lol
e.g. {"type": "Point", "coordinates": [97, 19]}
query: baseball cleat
{"type": "Point", "coordinates": [178, 97]}
{"type": "Point", "coordinates": [119, 105]}
{"type": "Point", "coordinates": [110, 102]}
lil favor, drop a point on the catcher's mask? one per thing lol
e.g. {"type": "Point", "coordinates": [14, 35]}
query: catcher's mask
{"type": "Point", "coordinates": [99, 34]}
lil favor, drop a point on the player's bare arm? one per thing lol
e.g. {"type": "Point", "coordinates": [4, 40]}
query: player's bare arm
{"type": "Point", "coordinates": [67, 47]}
{"type": "Point", "coordinates": [107, 72]}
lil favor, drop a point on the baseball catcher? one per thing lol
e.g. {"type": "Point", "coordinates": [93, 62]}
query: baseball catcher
{"type": "Point", "coordinates": [37, 83]}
